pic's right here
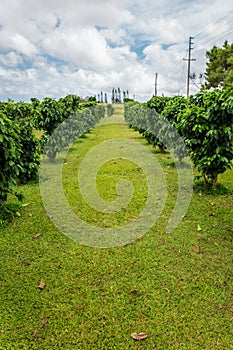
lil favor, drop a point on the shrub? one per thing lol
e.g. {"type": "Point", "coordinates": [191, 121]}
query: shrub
{"type": "Point", "coordinates": [208, 131]}
{"type": "Point", "coordinates": [10, 153]}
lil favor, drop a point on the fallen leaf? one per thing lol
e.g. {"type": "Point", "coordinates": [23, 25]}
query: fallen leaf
{"type": "Point", "coordinates": [44, 322]}
{"type": "Point", "coordinates": [41, 285]}
{"type": "Point", "coordinates": [198, 227]}
{"type": "Point", "coordinates": [135, 291]}
{"type": "Point", "coordinates": [168, 290]}
{"type": "Point", "coordinates": [196, 249]}
{"type": "Point", "coordinates": [25, 262]}
{"type": "Point", "coordinates": [139, 336]}
{"type": "Point", "coordinates": [37, 235]}
{"type": "Point", "coordinates": [36, 333]}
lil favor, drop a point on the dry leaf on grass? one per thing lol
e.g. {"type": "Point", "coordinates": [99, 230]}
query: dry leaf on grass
{"type": "Point", "coordinates": [41, 285]}
{"type": "Point", "coordinates": [139, 336]}
{"type": "Point", "coordinates": [135, 291]}
{"type": "Point", "coordinates": [37, 235]}
{"type": "Point", "coordinates": [25, 205]}
{"type": "Point", "coordinates": [37, 332]}
{"type": "Point", "coordinates": [44, 322]}
{"type": "Point", "coordinates": [196, 249]}
{"type": "Point", "coordinates": [25, 262]}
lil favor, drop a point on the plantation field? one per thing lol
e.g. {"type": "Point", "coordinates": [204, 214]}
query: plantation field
{"type": "Point", "coordinates": [176, 287]}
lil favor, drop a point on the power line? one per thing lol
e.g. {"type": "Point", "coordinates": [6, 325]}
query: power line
{"type": "Point", "coordinates": [216, 30]}
{"type": "Point", "coordinates": [211, 24]}
{"type": "Point", "coordinates": [203, 42]}
{"type": "Point", "coordinates": [213, 41]}
{"type": "Point", "coordinates": [172, 66]}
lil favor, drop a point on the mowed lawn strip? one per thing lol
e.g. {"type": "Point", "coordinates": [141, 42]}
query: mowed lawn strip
{"type": "Point", "coordinates": [175, 287]}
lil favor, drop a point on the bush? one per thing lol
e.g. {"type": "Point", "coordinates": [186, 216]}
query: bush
{"type": "Point", "coordinates": [10, 154]}
{"type": "Point", "coordinates": [110, 110]}
{"type": "Point", "coordinates": [31, 152]}
{"type": "Point", "coordinates": [68, 130]}
{"type": "Point", "coordinates": [208, 131]}
{"type": "Point", "coordinates": [22, 113]}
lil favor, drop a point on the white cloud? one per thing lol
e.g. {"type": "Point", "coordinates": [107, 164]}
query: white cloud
{"type": "Point", "coordinates": [11, 59]}
{"type": "Point", "coordinates": [22, 45]}
{"type": "Point", "coordinates": [55, 47]}
{"type": "Point", "coordinates": [117, 36]}
{"type": "Point", "coordinates": [84, 47]}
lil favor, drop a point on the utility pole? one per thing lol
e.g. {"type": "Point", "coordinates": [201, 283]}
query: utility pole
{"type": "Point", "coordinates": [156, 84]}
{"type": "Point", "coordinates": [189, 59]}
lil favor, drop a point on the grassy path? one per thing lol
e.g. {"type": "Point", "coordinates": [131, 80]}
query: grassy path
{"type": "Point", "coordinates": [176, 287]}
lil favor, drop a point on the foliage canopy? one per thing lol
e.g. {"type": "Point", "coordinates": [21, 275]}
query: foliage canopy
{"type": "Point", "coordinates": [219, 70]}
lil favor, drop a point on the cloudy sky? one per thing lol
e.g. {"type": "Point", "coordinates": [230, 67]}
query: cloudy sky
{"type": "Point", "coordinates": [56, 47]}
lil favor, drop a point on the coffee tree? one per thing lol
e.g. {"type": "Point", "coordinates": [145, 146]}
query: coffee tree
{"type": "Point", "coordinates": [65, 120]}
{"type": "Point", "coordinates": [208, 132]}
{"type": "Point", "coordinates": [21, 113]}
{"type": "Point", "coordinates": [173, 112]}
{"type": "Point", "coordinates": [10, 153]}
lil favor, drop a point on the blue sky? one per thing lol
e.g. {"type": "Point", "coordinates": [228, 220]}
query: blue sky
{"type": "Point", "coordinates": [53, 48]}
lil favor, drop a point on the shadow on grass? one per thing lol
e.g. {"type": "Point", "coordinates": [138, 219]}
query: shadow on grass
{"type": "Point", "coordinates": [220, 189]}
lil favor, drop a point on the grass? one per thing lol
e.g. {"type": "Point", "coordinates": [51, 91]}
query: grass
{"type": "Point", "coordinates": [176, 287]}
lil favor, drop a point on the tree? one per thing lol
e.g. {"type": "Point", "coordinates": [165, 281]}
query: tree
{"type": "Point", "coordinates": [91, 99]}
{"type": "Point", "coordinates": [208, 131]}
{"type": "Point", "coordinates": [22, 114]}
{"type": "Point", "coordinates": [219, 71]}
{"type": "Point", "coordinates": [10, 153]}
{"type": "Point", "coordinates": [105, 97]}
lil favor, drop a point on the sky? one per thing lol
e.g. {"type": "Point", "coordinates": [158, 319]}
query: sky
{"type": "Point", "coordinates": [52, 48]}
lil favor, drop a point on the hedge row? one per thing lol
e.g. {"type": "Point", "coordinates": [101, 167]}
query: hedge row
{"type": "Point", "coordinates": [204, 123]}
{"type": "Point", "coordinates": [20, 149]}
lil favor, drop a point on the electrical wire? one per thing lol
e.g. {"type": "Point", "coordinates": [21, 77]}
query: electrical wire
{"type": "Point", "coordinates": [211, 34]}
{"type": "Point", "coordinates": [204, 40]}
{"type": "Point", "coordinates": [211, 24]}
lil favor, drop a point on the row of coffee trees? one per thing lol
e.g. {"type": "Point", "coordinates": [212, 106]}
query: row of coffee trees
{"type": "Point", "coordinates": [21, 151]}
{"type": "Point", "coordinates": [201, 127]}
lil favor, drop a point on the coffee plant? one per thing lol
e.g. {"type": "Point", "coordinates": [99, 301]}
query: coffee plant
{"type": "Point", "coordinates": [204, 124]}
{"type": "Point", "coordinates": [10, 153]}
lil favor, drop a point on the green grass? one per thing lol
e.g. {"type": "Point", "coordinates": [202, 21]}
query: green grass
{"type": "Point", "coordinates": [95, 298]}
